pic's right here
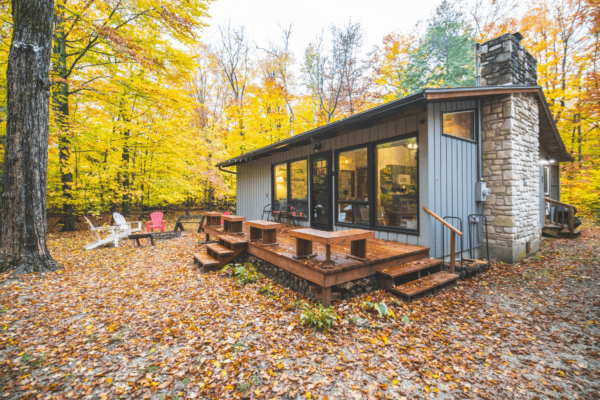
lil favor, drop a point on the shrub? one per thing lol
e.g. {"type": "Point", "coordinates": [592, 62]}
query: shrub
{"type": "Point", "coordinates": [381, 308]}
{"type": "Point", "coordinates": [243, 273]}
{"type": "Point", "coordinates": [266, 290]}
{"type": "Point", "coordinates": [317, 317]}
{"type": "Point", "coordinates": [295, 304]}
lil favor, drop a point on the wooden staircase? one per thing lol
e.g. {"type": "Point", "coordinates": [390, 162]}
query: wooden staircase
{"type": "Point", "coordinates": [220, 254]}
{"type": "Point", "coordinates": [420, 276]}
{"type": "Point", "coordinates": [559, 229]}
{"type": "Point", "coordinates": [416, 277]}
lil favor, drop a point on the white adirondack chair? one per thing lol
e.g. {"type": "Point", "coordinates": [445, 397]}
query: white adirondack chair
{"type": "Point", "coordinates": [112, 230]}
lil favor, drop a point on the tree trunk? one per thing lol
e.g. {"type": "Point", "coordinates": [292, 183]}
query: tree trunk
{"type": "Point", "coordinates": [23, 221]}
{"type": "Point", "coordinates": [126, 203]}
{"type": "Point", "coordinates": [61, 107]}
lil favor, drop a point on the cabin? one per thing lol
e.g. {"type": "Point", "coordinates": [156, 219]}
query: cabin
{"type": "Point", "coordinates": [484, 158]}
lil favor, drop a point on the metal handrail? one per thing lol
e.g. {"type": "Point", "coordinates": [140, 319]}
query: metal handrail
{"type": "Point", "coordinates": [472, 220]}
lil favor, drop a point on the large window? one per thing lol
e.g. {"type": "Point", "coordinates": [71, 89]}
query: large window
{"type": "Point", "coordinates": [377, 185]}
{"type": "Point", "coordinates": [281, 183]}
{"type": "Point", "coordinates": [299, 188]}
{"type": "Point", "coordinates": [397, 184]}
{"type": "Point", "coordinates": [290, 187]}
{"type": "Point", "coordinates": [353, 188]}
{"type": "Point", "coordinates": [460, 124]}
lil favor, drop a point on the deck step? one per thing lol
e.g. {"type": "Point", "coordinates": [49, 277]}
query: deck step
{"type": "Point", "coordinates": [558, 232]}
{"type": "Point", "coordinates": [413, 266]}
{"type": "Point", "coordinates": [424, 284]}
{"type": "Point", "coordinates": [203, 259]}
{"type": "Point", "coordinates": [233, 240]}
{"type": "Point", "coordinates": [218, 249]}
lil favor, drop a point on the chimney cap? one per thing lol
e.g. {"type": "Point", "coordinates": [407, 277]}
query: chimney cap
{"type": "Point", "coordinates": [518, 36]}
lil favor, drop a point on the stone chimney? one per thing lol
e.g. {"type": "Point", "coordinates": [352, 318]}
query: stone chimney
{"type": "Point", "coordinates": [505, 61]}
{"type": "Point", "coordinates": [510, 150]}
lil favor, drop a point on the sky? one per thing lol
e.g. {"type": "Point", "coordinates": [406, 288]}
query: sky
{"type": "Point", "coordinates": [309, 17]}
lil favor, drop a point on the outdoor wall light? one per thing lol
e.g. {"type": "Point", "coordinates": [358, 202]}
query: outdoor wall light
{"type": "Point", "coordinates": [318, 146]}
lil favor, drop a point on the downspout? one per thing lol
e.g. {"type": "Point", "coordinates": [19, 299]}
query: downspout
{"type": "Point", "coordinates": [224, 170]}
{"type": "Point", "coordinates": [479, 122]}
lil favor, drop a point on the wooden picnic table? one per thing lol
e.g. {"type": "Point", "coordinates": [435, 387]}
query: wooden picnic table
{"type": "Point", "coordinates": [232, 224]}
{"type": "Point", "coordinates": [189, 219]}
{"type": "Point", "coordinates": [356, 237]}
{"type": "Point", "coordinates": [265, 230]}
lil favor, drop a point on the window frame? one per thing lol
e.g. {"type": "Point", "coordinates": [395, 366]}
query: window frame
{"type": "Point", "coordinates": [475, 124]}
{"type": "Point", "coordinates": [289, 183]}
{"type": "Point", "coordinates": [371, 187]}
{"type": "Point", "coordinates": [546, 178]}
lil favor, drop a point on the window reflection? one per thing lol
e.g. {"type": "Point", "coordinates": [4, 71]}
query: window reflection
{"type": "Point", "coordinates": [459, 124]}
{"type": "Point", "coordinates": [397, 184]}
{"type": "Point", "coordinates": [281, 182]}
{"type": "Point", "coordinates": [353, 175]}
{"type": "Point", "coordinates": [299, 188]}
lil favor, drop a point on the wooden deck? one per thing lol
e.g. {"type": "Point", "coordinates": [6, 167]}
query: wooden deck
{"type": "Point", "coordinates": [381, 254]}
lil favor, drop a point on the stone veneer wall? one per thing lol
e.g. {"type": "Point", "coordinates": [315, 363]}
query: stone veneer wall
{"type": "Point", "coordinates": [505, 61]}
{"type": "Point", "coordinates": [510, 153]}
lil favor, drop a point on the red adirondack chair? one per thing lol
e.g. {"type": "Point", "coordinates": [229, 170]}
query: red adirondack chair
{"type": "Point", "coordinates": [157, 222]}
{"type": "Point", "coordinates": [225, 213]}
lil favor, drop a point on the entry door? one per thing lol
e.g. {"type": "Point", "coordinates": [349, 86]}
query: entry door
{"type": "Point", "coordinates": [320, 191]}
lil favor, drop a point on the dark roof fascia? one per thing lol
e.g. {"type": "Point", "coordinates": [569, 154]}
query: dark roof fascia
{"type": "Point", "coordinates": [334, 127]}
{"type": "Point", "coordinates": [426, 95]}
{"type": "Point", "coordinates": [443, 94]}
{"type": "Point", "coordinates": [564, 155]}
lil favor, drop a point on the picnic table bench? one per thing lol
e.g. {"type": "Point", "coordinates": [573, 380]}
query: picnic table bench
{"type": "Point", "coordinates": [135, 239]}
{"type": "Point", "coordinates": [213, 218]}
{"type": "Point", "coordinates": [189, 219]}
{"type": "Point", "coordinates": [356, 237]}
{"type": "Point", "coordinates": [265, 230]}
{"type": "Point", "coordinates": [232, 224]}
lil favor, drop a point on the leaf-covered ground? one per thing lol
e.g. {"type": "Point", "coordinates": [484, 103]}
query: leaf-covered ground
{"type": "Point", "coordinates": [144, 323]}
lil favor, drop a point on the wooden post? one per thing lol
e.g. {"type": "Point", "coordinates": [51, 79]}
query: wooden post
{"type": "Point", "coordinates": [269, 237]}
{"type": "Point", "coordinates": [452, 255]}
{"type": "Point", "coordinates": [326, 296]}
{"type": "Point", "coordinates": [571, 223]}
{"type": "Point", "coordinates": [358, 248]}
{"type": "Point", "coordinates": [303, 247]}
{"type": "Point", "coordinates": [255, 234]}
{"type": "Point", "coordinates": [544, 212]}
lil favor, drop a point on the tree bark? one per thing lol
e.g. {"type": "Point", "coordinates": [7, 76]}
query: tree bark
{"type": "Point", "coordinates": [23, 221]}
{"type": "Point", "coordinates": [61, 106]}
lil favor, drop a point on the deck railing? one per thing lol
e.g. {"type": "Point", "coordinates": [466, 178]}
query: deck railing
{"type": "Point", "coordinates": [453, 233]}
{"type": "Point", "coordinates": [570, 225]}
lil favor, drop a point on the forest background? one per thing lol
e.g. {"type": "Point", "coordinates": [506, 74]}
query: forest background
{"type": "Point", "coordinates": [142, 109]}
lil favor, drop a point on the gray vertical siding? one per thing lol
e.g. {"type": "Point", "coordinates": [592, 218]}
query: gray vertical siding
{"type": "Point", "coordinates": [452, 177]}
{"type": "Point", "coordinates": [254, 177]}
